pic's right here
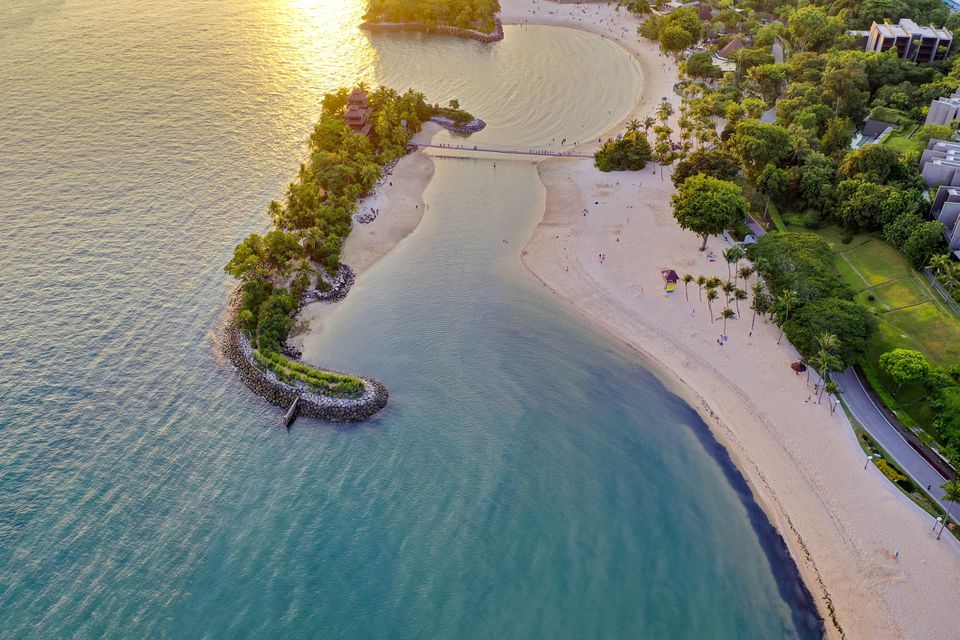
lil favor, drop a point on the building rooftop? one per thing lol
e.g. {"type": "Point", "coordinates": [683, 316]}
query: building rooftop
{"type": "Point", "coordinates": [732, 47]}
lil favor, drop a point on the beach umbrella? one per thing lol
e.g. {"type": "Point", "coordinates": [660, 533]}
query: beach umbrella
{"type": "Point", "coordinates": [799, 367]}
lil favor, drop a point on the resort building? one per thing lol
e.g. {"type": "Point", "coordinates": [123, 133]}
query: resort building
{"type": "Point", "coordinates": [946, 209]}
{"type": "Point", "coordinates": [358, 113]}
{"type": "Point", "coordinates": [724, 58]}
{"type": "Point", "coordinates": [940, 163]}
{"type": "Point", "coordinates": [912, 42]}
{"type": "Point", "coordinates": [944, 110]}
{"type": "Point", "coordinates": [940, 167]}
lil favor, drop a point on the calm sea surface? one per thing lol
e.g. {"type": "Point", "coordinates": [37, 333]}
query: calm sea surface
{"type": "Point", "coordinates": [529, 479]}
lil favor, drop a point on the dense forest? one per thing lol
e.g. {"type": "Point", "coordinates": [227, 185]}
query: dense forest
{"type": "Point", "coordinates": [466, 14]}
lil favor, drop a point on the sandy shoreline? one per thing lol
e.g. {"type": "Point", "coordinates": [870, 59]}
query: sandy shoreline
{"type": "Point", "coordinates": [399, 199]}
{"type": "Point", "coordinates": [843, 524]}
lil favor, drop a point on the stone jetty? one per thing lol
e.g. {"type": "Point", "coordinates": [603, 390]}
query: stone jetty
{"type": "Point", "coordinates": [452, 125]}
{"type": "Point", "coordinates": [237, 348]}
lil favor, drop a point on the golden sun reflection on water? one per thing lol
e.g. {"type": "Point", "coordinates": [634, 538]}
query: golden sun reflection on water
{"type": "Point", "coordinates": [321, 39]}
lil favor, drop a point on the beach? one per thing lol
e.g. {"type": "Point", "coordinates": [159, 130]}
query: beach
{"type": "Point", "coordinates": [398, 199]}
{"type": "Point", "coordinates": [866, 552]}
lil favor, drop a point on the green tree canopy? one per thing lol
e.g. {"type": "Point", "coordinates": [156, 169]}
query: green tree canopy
{"type": "Point", "coordinates": [904, 366]}
{"type": "Point", "coordinates": [757, 144]}
{"type": "Point", "coordinates": [700, 65]}
{"type": "Point", "coordinates": [925, 241]}
{"type": "Point", "coordinates": [853, 322]}
{"type": "Point", "coordinates": [710, 162]}
{"type": "Point", "coordinates": [800, 262]}
{"type": "Point", "coordinates": [708, 206]}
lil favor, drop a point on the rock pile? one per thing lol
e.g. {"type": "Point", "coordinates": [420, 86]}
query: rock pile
{"type": "Point", "coordinates": [451, 125]}
{"type": "Point", "coordinates": [339, 287]}
{"type": "Point", "coordinates": [239, 351]}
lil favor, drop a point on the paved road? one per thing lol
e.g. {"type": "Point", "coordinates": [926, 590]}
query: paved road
{"type": "Point", "coordinates": [875, 422]}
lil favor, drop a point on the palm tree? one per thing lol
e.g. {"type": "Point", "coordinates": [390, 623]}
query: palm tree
{"type": "Point", "coordinates": [745, 273]}
{"type": "Point", "coordinates": [726, 315]}
{"type": "Point", "coordinates": [728, 289]}
{"type": "Point", "coordinates": [825, 361]}
{"type": "Point", "coordinates": [759, 304]}
{"type": "Point", "coordinates": [832, 390]}
{"type": "Point", "coordinates": [951, 493]}
{"type": "Point", "coordinates": [939, 264]}
{"type": "Point", "coordinates": [787, 301]}
{"type": "Point", "coordinates": [648, 122]}
{"type": "Point", "coordinates": [711, 296]}
{"type": "Point", "coordinates": [731, 255]}
{"type": "Point", "coordinates": [951, 278]}
{"type": "Point", "coordinates": [687, 279]}
{"type": "Point", "coordinates": [634, 125]}
{"type": "Point", "coordinates": [738, 295]}
{"type": "Point", "coordinates": [664, 111]}
{"type": "Point", "coordinates": [827, 342]}
{"type": "Point", "coordinates": [701, 280]}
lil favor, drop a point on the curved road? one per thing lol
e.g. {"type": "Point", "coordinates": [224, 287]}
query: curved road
{"type": "Point", "coordinates": [888, 436]}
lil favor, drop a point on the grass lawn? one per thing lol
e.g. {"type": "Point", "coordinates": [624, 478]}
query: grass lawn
{"type": "Point", "coordinates": [897, 140]}
{"type": "Point", "coordinates": [911, 315]}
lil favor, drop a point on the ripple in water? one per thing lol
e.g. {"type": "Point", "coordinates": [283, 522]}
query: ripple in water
{"type": "Point", "coordinates": [528, 479]}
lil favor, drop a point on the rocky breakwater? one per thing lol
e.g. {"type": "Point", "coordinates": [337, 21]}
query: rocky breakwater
{"type": "Point", "coordinates": [471, 126]}
{"type": "Point", "coordinates": [239, 351]}
{"type": "Point", "coordinates": [494, 36]}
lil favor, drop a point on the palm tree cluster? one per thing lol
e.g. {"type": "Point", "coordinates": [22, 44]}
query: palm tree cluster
{"type": "Point", "coordinates": [824, 362]}
{"type": "Point", "coordinates": [732, 294]}
{"type": "Point", "coordinates": [948, 273]}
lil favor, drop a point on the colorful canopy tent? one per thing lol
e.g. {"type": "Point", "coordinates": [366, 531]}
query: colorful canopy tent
{"type": "Point", "coordinates": [670, 279]}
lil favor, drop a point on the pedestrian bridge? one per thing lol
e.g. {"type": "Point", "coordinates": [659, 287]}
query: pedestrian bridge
{"type": "Point", "coordinates": [508, 150]}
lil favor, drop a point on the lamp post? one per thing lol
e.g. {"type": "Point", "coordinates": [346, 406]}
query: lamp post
{"type": "Point", "coordinates": [869, 458]}
{"type": "Point", "coordinates": [939, 520]}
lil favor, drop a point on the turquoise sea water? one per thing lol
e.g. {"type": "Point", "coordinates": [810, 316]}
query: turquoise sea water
{"type": "Point", "coordinates": [530, 479]}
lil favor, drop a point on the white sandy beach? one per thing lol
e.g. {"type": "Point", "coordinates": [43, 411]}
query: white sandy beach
{"type": "Point", "coordinates": [399, 199]}
{"type": "Point", "coordinates": [843, 524]}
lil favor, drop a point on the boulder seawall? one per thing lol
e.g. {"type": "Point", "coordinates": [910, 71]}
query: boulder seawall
{"type": "Point", "coordinates": [237, 349]}
{"type": "Point", "coordinates": [450, 124]}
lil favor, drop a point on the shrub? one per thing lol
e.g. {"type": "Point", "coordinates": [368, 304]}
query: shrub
{"type": "Point", "coordinates": [323, 382]}
{"type": "Point", "coordinates": [631, 153]}
{"type": "Point", "coordinates": [888, 470]}
{"type": "Point", "coordinates": [851, 321]}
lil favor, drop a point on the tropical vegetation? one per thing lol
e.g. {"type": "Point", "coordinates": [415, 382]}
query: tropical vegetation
{"type": "Point", "coordinates": [302, 251]}
{"type": "Point", "coordinates": [779, 126]}
{"type": "Point", "coordinates": [465, 14]}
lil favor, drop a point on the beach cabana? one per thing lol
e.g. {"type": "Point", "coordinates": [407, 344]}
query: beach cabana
{"type": "Point", "coordinates": [670, 279]}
